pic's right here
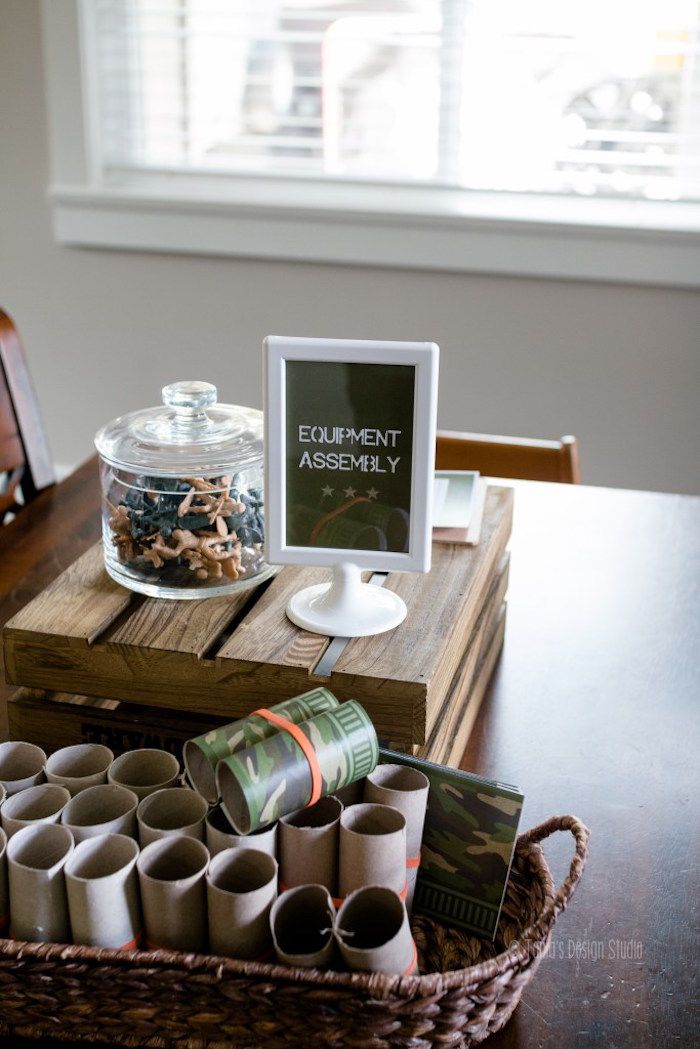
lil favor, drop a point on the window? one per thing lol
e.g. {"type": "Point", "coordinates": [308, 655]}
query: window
{"type": "Point", "coordinates": [521, 114]}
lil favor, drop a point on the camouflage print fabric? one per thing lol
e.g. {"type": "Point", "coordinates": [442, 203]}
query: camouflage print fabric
{"type": "Point", "coordinates": [274, 777]}
{"type": "Point", "coordinates": [226, 740]}
{"type": "Point", "coordinates": [471, 826]}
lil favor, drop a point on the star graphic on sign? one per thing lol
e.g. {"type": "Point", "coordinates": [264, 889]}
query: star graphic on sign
{"type": "Point", "coordinates": [327, 491]}
{"type": "Point", "coordinates": [372, 493]}
{"type": "Point", "coordinates": [350, 493]}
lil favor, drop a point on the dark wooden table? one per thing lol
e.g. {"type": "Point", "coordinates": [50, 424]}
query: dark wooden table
{"type": "Point", "coordinates": [593, 710]}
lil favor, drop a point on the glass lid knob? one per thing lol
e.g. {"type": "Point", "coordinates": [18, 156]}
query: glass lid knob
{"type": "Point", "coordinates": [189, 399]}
{"type": "Point", "coordinates": [190, 394]}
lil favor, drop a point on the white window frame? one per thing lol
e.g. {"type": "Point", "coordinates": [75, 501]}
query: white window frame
{"type": "Point", "coordinates": [338, 221]}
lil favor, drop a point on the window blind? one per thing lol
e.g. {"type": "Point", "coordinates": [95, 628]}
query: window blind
{"type": "Point", "coordinates": [554, 96]}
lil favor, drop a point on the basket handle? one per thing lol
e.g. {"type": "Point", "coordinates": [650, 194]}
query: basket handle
{"type": "Point", "coordinates": [581, 835]}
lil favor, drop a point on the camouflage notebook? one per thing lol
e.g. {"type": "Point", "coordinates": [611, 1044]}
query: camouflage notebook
{"type": "Point", "coordinates": [470, 831]}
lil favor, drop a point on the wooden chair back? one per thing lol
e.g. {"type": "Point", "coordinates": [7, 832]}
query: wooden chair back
{"type": "Point", "coordinates": [25, 460]}
{"type": "Point", "coordinates": [520, 457]}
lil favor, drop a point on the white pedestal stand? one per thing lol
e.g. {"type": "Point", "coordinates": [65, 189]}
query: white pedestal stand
{"type": "Point", "coordinates": [346, 607]}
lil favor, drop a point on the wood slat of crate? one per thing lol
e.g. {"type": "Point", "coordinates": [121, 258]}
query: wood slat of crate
{"type": "Point", "coordinates": [449, 750]}
{"type": "Point", "coordinates": [453, 723]}
{"type": "Point", "coordinates": [53, 720]}
{"type": "Point", "coordinates": [223, 657]}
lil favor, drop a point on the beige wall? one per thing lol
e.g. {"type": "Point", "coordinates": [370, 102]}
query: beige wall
{"type": "Point", "coordinates": [618, 366]}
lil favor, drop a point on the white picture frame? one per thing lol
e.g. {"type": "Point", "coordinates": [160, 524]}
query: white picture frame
{"type": "Point", "coordinates": [424, 357]}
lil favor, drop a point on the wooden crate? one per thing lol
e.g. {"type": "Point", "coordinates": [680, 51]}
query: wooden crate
{"type": "Point", "coordinates": [86, 635]}
{"type": "Point", "coordinates": [59, 719]}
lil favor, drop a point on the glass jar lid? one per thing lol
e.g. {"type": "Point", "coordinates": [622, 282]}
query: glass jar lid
{"type": "Point", "coordinates": [190, 434]}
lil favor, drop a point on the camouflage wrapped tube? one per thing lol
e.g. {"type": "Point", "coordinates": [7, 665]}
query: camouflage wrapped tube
{"type": "Point", "coordinates": [203, 753]}
{"type": "Point", "coordinates": [273, 778]}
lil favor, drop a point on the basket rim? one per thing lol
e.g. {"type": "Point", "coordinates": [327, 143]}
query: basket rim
{"type": "Point", "coordinates": [378, 985]}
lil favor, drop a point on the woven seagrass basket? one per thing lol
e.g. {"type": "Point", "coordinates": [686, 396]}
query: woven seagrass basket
{"type": "Point", "coordinates": [166, 998]}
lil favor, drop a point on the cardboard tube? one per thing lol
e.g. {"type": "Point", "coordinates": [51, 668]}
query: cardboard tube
{"type": "Point", "coordinates": [21, 765]}
{"type": "Point", "coordinates": [352, 794]}
{"type": "Point", "coordinates": [297, 766]}
{"type": "Point", "coordinates": [373, 933]}
{"type": "Point", "coordinates": [221, 835]}
{"type": "Point", "coordinates": [173, 810]}
{"type": "Point", "coordinates": [405, 789]}
{"type": "Point", "coordinates": [36, 856]}
{"type": "Point", "coordinates": [372, 848]}
{"type": "Point", "coordinates": [103, 892]}
{"type": "Point", "coordinates": [173, 893]}
{"type": "Point", "coordinates": [83, 765]}
{"type": "Point", "coordinates": [41, 804]}
{"type": "Point", "coordinates": [308, 845]}
{"type": "Point", "coordinates": [144, 771]}
{"type": "Point", "coordinates": [203, 753]}
{"type": "Point", "coordinates": [241, 888]}
{"type": "Point", "coordinates": [104, 809]}
{"type": "Point", "coordinates": [301, 921]}
{"type": "Point", "coordinates": [4, 890]}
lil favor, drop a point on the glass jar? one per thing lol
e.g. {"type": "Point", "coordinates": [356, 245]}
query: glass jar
{"type": "Point", "coordinates": [182, 496]}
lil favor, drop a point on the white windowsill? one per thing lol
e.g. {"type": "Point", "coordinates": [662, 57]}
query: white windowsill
{"type": "Point", "coordinates": [391, 226]}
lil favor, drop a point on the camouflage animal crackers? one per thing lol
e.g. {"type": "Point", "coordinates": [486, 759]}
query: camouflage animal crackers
{"type": "Point", "coordinates": [203, 753]}
{"type": "Point", "coordinates": [273, 778]}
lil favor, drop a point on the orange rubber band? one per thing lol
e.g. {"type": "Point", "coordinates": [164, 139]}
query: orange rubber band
{"type": "Point", "coordinates": [413, 861]}
{"type": "Point", "coordinates": [133, 945]}
{"type": "Point", "coordinates": [306, 747]}
{"type": "Point", "coordinates": [404, 892]}
{"type": "Point", "coordinates": [414, 959]}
